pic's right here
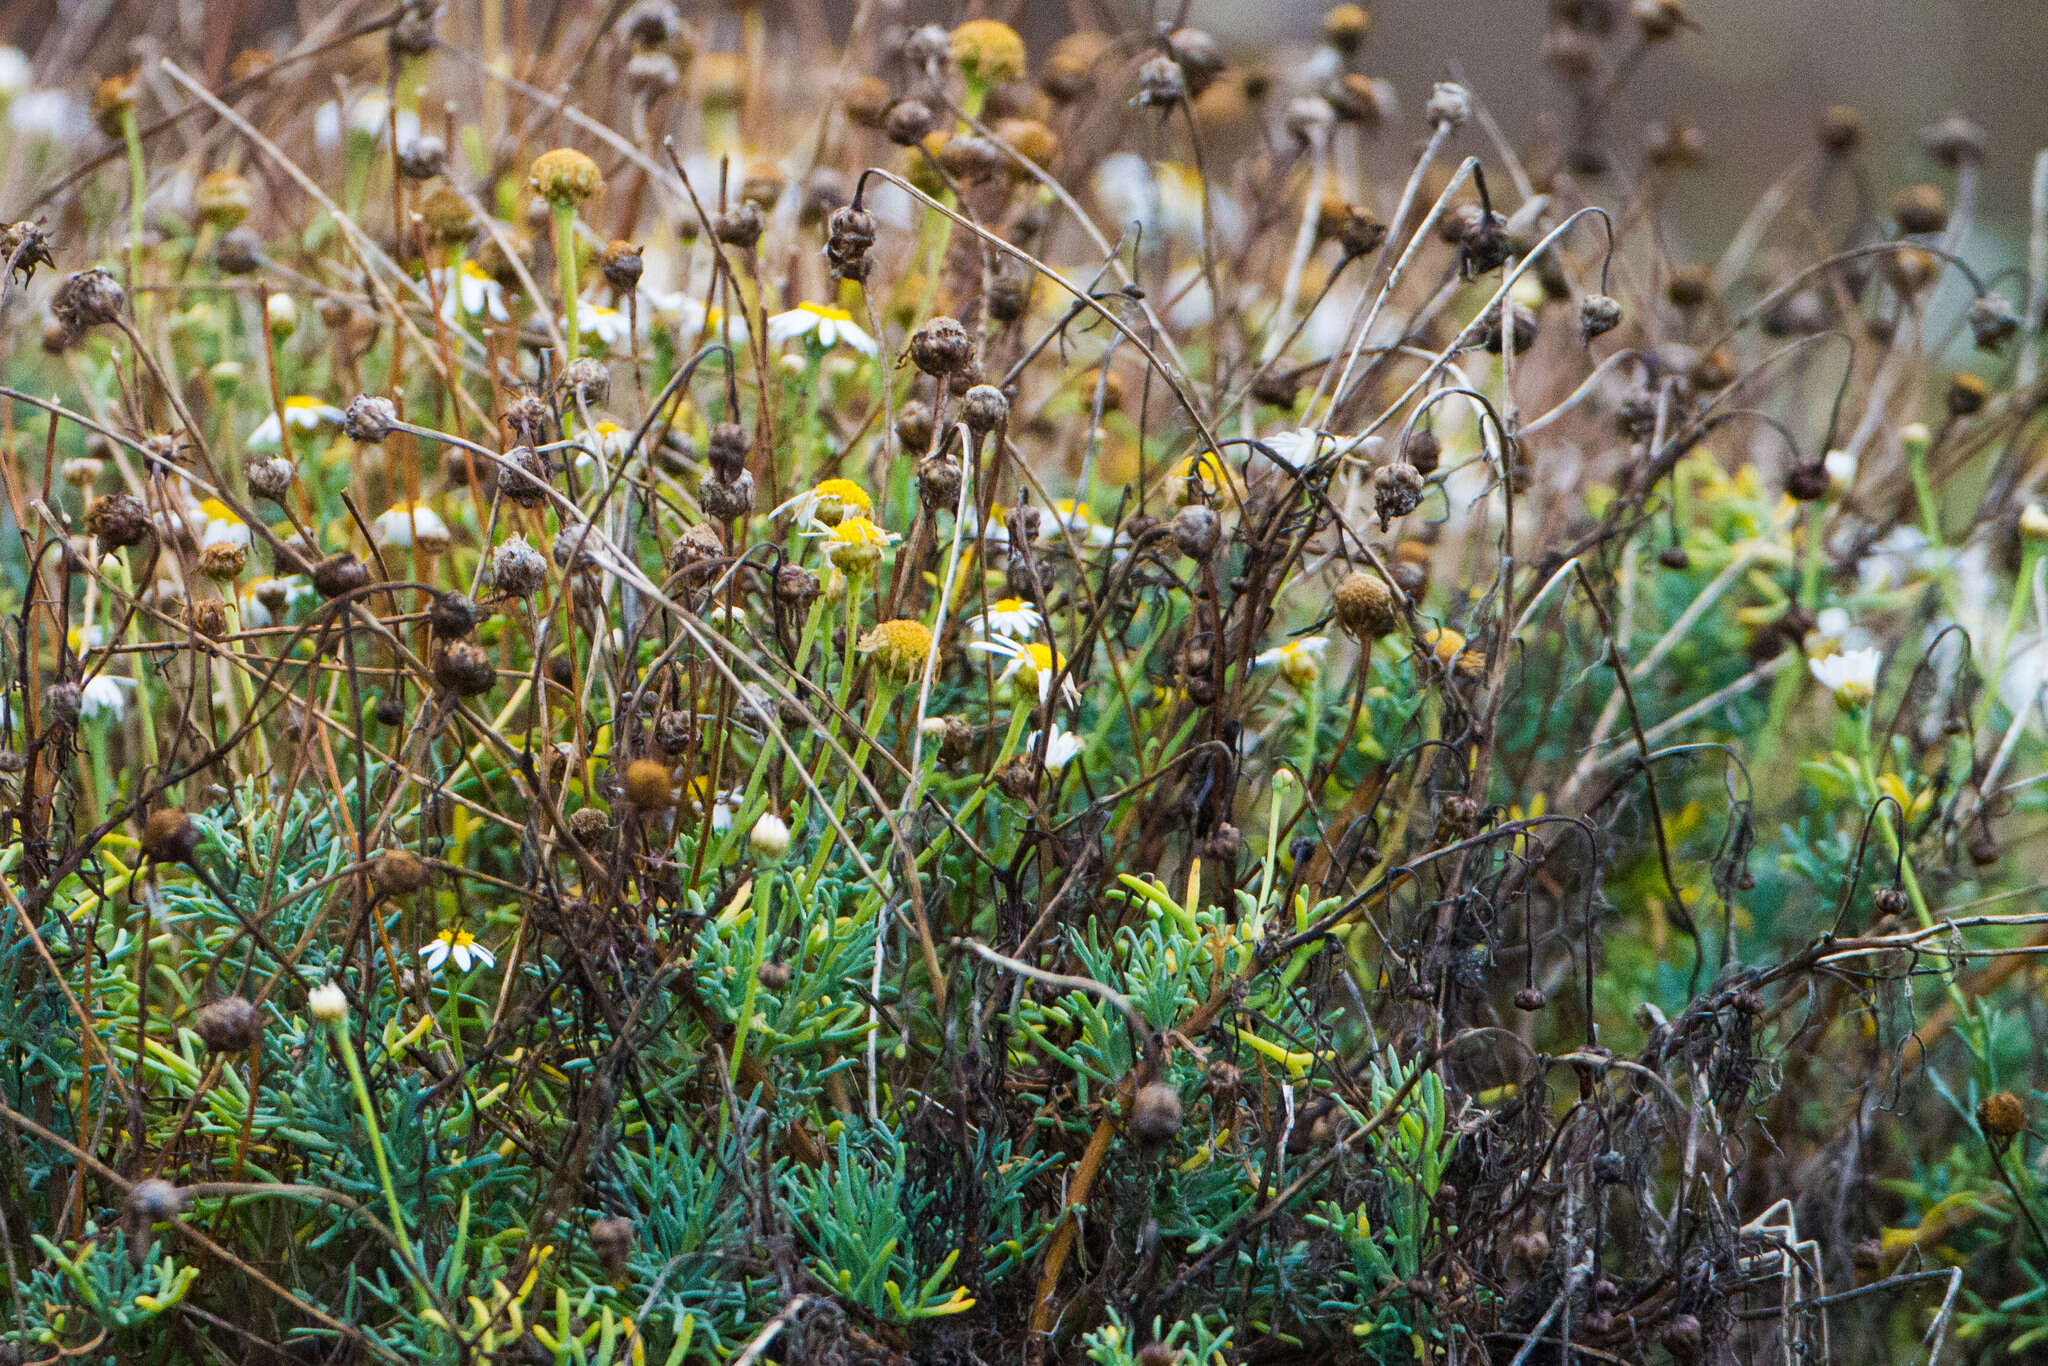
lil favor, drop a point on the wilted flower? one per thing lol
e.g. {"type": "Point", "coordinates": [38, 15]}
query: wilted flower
{"type": "Point", "coordinates": [830, 324]}
{"type": "Point", "coordinates": [1032, 665]}
{"type": "Point", "coordinates": [827, 504]}
{"type": "Point", "coordinates": [855, 544]}
{"type": "Point", "coordinates": [1299, 661]}
{"type": "Point", "coordinates": [1061, 747]}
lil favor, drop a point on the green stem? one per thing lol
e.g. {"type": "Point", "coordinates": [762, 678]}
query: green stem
{"type": "Point", "coordinates": [565, 267]}
{"type": "Point", "coordinates": [362, 1090]}
{"type": "Point", "coordinates": [138, 190]}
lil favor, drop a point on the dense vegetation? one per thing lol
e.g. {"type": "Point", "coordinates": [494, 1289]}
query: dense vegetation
{"type": "Point", "coordinates": [679, 688]}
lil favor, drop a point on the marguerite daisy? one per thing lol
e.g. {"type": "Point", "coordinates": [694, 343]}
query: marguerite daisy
{"type": "Point", "coordinates": [1851, 676]}
{"type": "Point", "coordinates": [1061, 746]}
{"type": "Point", "coordinates": [1012, 617]}
{"type": "Point", "coordinates": [855, 543]}
{"type": "Point", "coordinates": [105, 696]}
{"type": "Point", "coordinates": [596, 325]}
{"type": "Point", "coordinates": [305, 413]}
{"type": "Point", "coordinates": [1032, 664]}
{"type": "Point", "coordinates": [218, 525]}
{"type": "Point", "coordinates": [831, 325]}
{"type": "Point", "coordinates": [459, 945]}
{"type": "Point", "coordinates": [404, 524]}
{"type": "Point", "coordinates": [467, 292]}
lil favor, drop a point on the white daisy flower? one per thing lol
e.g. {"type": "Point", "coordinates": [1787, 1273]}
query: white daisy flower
{"type": "Point", "coordinates": [304, 413]}
{"type": "Point", "coordinates": [1012, 617]}
{"type": "Point", "coordinates": [725, 808]}
{"type": "Point", "coordinates": [1079, 519]}
{"type": "Point", "coordinates": [830, 324]}
{"type": "Point", "coordinates": [1030, 663]}
{"type": "Point", "coordinates": [1850, 676]}
{"type": "Point", "coordinates": [403, 524]}
{"type": "Point", "coordinates": [1061, 747]}
{"type": "Point", "coordinates": [263, 600]}
{"type": "Point", "coordinates": [467, 292]}
{"type": "Point", "coordinates": [597, 325]}
{"type": "Point", "coordinates": [218, 525]}
{"type": "Point", "coordinates": [692, 319]}
{"type": "Point", "coordinates": [105, 696]}
{"type": "Point", "coordinates": [608, 438]}
{"type": "Point", "coordinates": [1299, 661]}
{"type": "Point", "coordinates": [461, 947]}
{"type": "Point", "coordinates": [367, 116]}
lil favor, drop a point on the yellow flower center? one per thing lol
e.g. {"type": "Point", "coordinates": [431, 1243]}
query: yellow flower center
{"type": "Point", "coordinates": [831, 312]}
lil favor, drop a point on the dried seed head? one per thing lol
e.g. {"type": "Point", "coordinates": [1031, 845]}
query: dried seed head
{"type": "Point", "coordinates": [1919, 209]}
{"type": "Point", "coordinates": [1360, 234]}
{"type": "Point", "coordinates": [117, 520]}
{"type": "Point", "coordinates": [867, 101]}
{"type": "Point", "coordinates": [899, 648]}
{"type": "Point", "coordinates": [1530, 999]}
{"type": "Point", "coordinates": [985, 408]}
{"type": "Point", "coordinates": [271, 478]}
{"type": "Point", "coordinates": [589, 823]}
{"type": "Point", "coordinates": [1657, 20]}
{"type": "Point", "coordinates": [914, 426]}
{"type": "Point", "coordinates": [232, 1024]}
{"type": "Point", "coordinates": [223, 199]}
{"type": "Point", "coordinates": [650, 75]}
{"type": "Point", "coordinates": [1365, 606]}
{"type": "Point", "coordinates": [1912, 269]}
{"type": "Point", "coordinates": [612, 1240]}
{"type": "Point", "coordinates": [25, 245]}
{"type": "Point", "coordinates": [1966, 394]}
{"type": "Point", "coordinates": [987, 51]}
{"type": "Point", "coordinates": [1841, 130]}
{"type": "Point", "coordinates": [1673, 144]}
{"type": "Point", "coordinates": [621, 266]}
{"type": "Point", "coordinates": [1345, 27]}
{"type": "Point", "coordinates": [88, 299]}
{"type": "Point", "coordinates": [451, 616]}
{"type": "Point", "coordinates": [529, 420]}
{"type": "Point", "coordinates": [587, 380]}
{"type": "Point", "coordinates": [849, 236]}
{"type": "Point", "coordinates": [464, 669]}
{"type": "Point", "coordinates": [113, 99]}
{"type": "Point", "coordinates": [698, 545]}
{"type": "Point", "coordinates": [170, 835]}
{"type": "Point", "coordinates": [2002, 1116]}
{"type": "Point", "coordinates": [62, 703]}
{"type": "Point", "coordinates": [727, 449]}
{"type": "Point", "coordinates": [1069, 71]}
{"type": "Point", "coordinates": [908, 121]}
{"type": "Point", "coordinates": [1891, 901]}
{"type": "Point", "coordinates": [398, 872]}
{"type": "Point", "coordinates": [1953, 142]}
{"type": "Point", "coordinates": [152, 1201]}
{"type": "Point", "coordinates": [1158, 1354]}
{"type": "Point", "coordinates": [938, 483]}
{"type": "Point", "coordinates": [649, 784]}
{"type": "Point", "coordinates": [1359, 99]}
{"type": "Point", "coordinates": [369, 418]}
{"type": "Point", "coordinates": [1450, 104]}
{"type": "Point", "coordinates": [1155, 1113]}
{"type": "Point", "coordinates": [796, 586]}
{"type": "Point", "coordinates": [423, 158]}
{"type": "Point", "coordinates": [942, 347]}
{"type": "Point", "coordinates": [651, 23]}
{"type": "Point", "coordinates": [1199, 54]}
{"type": "Point", "coordinates": [739, 226]}
{"type": "Point", "coordinates": [1161, 82]}
{"type": "Point", "coordinates": [1689, 286]}
{"type": "Point", "coordinates": [340, 574]}
{"type": "Point", "coordinates": [223, 560]}
{"type": "Point", "coordinates": [1993, 322]}
{"type": "Point", "coordinates": [1599, 314]}
{"type": "Point", "coordinates": [1196, 531]}
{"type": "Point", "coordinates": [1807, 481]}
{"type": "Point", "coordinates": [727, 500]}
{"type": "Point", "coordinates": [565, 176]}
{"type": "Point", "coordinates": [1009, 295]}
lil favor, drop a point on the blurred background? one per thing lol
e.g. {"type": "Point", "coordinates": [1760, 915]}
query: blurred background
{"type": "Point", "coordinates": [1752, 75]}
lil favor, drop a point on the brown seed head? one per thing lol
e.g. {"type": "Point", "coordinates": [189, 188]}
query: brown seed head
{"type": "Point", "coordinates": [170, 836]}
{"type": "Point", "coordinates": [232, 1024]}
